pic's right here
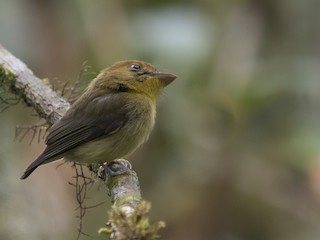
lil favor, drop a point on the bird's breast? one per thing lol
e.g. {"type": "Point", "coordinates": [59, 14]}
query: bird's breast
{"type": "Point", "coordinates": [140, 122]}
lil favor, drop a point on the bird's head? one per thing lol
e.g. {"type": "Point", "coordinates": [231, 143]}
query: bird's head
{"type": "Point", "coordinates": [133, 76]}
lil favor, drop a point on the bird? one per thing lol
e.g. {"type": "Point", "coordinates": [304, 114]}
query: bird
{"type": "Point", "coordinates": [110, 120]}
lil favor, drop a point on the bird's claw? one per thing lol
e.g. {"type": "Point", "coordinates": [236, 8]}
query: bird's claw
{"type": "Point", "coordinates": [121, 161]}
{"type": "Point", "coordinates": [114, 168]}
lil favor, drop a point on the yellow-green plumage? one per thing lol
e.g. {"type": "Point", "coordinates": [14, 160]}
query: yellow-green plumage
{"type": "Point", "coordinates": [110, 120]}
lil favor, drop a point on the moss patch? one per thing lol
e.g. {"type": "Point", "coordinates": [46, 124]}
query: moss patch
{"type": "Point", "coordinates": [135, 226]}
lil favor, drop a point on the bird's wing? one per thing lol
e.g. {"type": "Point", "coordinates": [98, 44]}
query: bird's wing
{"type": "Point", "coordinates": [102, 116]}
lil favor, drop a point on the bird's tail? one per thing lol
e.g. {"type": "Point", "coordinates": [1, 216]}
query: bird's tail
{"type": "Point", "coordinates": [36, 163]}
{"type": "Point", "coordinates": [27, 172]}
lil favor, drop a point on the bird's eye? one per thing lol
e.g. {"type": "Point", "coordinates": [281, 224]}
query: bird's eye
{"type": "Point", "coordinates": [135, 67]}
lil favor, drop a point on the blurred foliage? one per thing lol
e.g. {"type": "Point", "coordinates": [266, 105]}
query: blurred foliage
{"type": "Point", "coordinates": [235, 152]}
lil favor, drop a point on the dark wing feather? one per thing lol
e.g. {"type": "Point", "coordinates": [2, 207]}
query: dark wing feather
{"type": "Point", "coordinates": [100, 117]}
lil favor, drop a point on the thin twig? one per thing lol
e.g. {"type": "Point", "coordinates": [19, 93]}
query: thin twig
{"type": "Point", "coordinates": [82, 185]}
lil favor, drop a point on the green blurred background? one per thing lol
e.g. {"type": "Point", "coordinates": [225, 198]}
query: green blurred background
{"type": "Point", "coordinates": [235, 153]}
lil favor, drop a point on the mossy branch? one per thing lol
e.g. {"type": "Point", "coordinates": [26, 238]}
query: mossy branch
{"type": "Point", "coordinates": [21, 81]}
{"type": "Point", "coordinates": [128, 215]}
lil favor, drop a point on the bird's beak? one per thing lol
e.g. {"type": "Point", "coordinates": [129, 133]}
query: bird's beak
{"type": "Point", "coordinates": [166, 78]}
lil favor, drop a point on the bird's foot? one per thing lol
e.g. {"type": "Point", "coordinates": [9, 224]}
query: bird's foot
{"type": "Point", "coordinates": [114, 168]}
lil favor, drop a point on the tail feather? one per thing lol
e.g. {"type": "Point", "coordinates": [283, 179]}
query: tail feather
{"type": "Point", "coordinates": [36, 163]}
{"type": "Point", "coordinates": [28, 172]}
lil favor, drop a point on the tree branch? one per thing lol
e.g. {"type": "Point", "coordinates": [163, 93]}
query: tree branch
{"type": "Point", "coordinates": [21, 81]}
